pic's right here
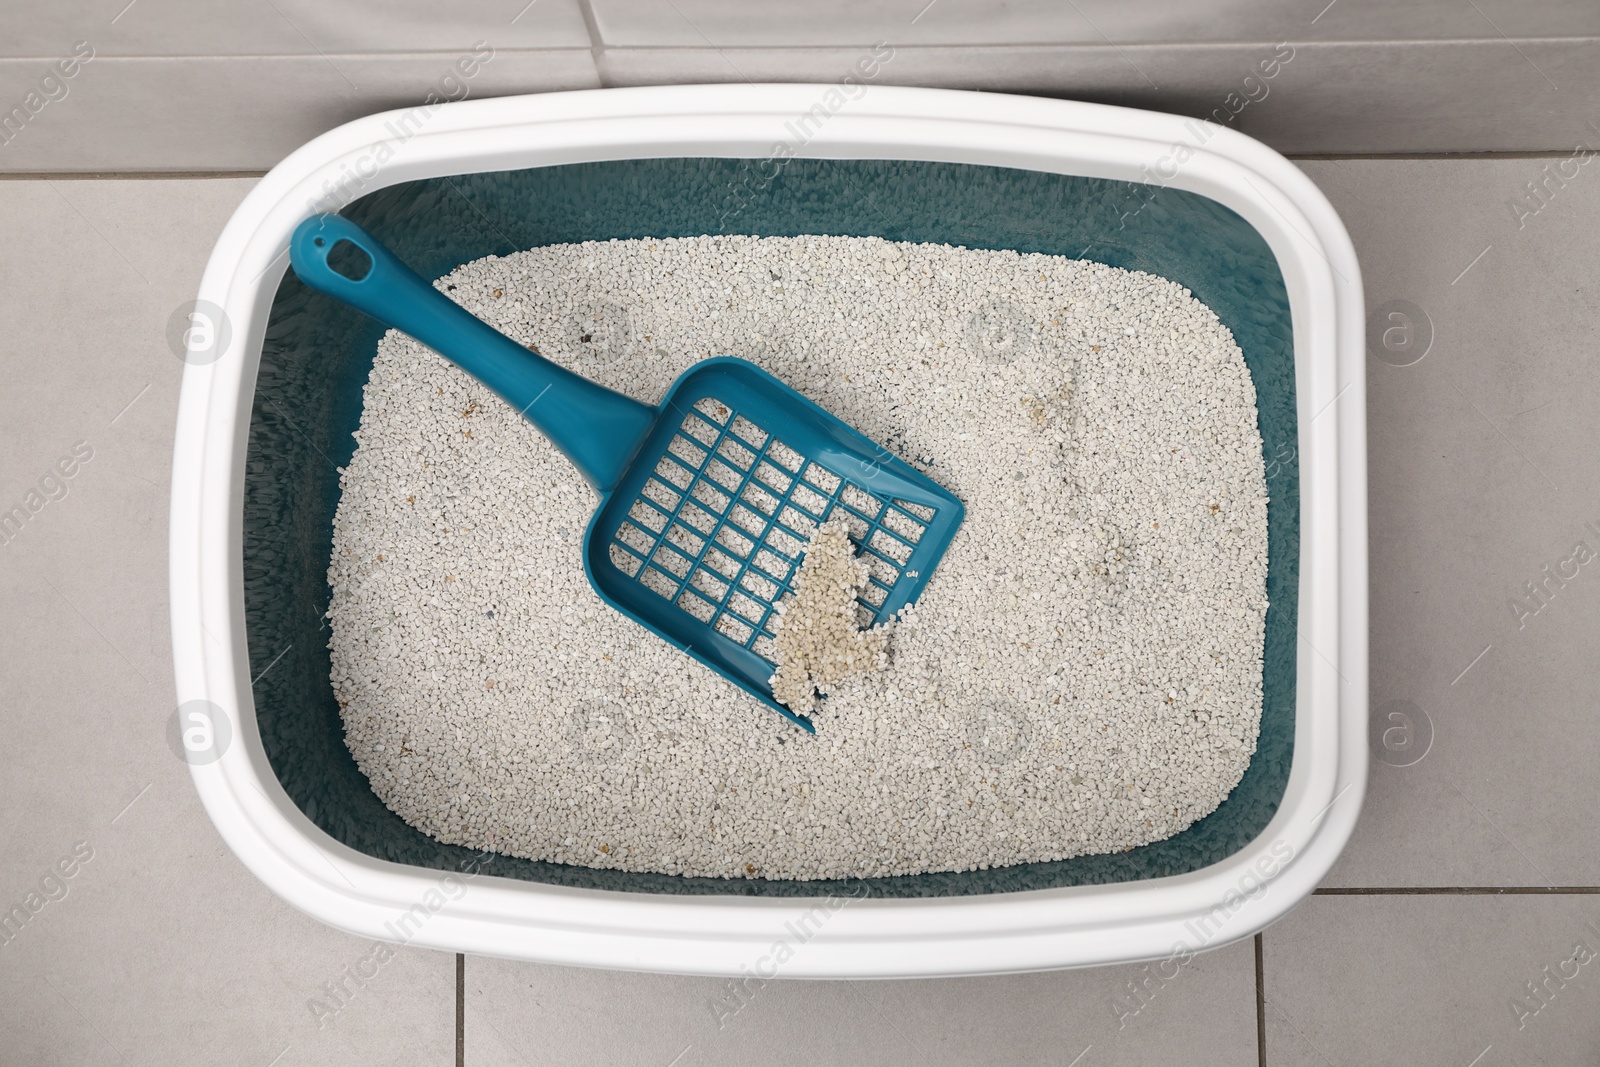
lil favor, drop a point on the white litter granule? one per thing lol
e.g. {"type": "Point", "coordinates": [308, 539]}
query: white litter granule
{"type": "Point", "coordinates": [819, 642]}
{"type": "Point", "coordinates": [1081, 675]}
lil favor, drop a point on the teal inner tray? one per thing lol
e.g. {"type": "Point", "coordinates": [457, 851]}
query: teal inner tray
{"type": "Point", "coordinates": [317, 354]}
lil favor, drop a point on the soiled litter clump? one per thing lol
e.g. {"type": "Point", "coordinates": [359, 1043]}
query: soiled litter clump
{"type": "Point", "coordinates": [1081, 675]}
{"type": "Point", "coordinates": [819, 641]}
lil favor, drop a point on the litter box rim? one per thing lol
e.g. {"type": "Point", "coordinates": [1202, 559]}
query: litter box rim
{"type": "Point", "coordinates": [724, 935]}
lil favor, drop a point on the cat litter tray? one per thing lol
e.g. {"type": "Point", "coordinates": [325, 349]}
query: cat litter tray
{"type": "Point", "coordinates": [267, 413]}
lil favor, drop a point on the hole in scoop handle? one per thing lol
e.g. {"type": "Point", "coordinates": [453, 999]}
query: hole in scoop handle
{"type": "Point", "coordinates": [599, 430]}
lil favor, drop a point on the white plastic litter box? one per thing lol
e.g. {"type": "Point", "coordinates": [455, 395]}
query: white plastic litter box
{"type": "Point", "coordinates": [272, 392]}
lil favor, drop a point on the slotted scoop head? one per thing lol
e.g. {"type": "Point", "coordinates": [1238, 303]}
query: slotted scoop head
{"type": "Point", "coordinates": [707, 501]}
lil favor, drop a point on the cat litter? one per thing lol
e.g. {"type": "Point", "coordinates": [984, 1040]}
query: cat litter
{"type": "Point", "coordinates": [1082, 675]}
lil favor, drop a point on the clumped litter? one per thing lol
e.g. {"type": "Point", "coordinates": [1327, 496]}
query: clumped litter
{"type": "Point", "coordinates": [1082, 675]}
{"type": "Point", "coordinates": [820, 641]}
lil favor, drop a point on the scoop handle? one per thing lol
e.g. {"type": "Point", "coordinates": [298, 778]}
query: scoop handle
{"type": "Point", "coordinates": [598, 429]}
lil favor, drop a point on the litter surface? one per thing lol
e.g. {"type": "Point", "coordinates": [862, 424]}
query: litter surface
{"type": "Point", "coordinates": [1083, 674]}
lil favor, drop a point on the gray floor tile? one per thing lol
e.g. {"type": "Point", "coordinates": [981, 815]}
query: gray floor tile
{"type": "Point", "coordinates": [142, 112]}
{"type": "Point", "coordinates": [731, 23]}
{"type": "Point", "coordinates": [246, 113]}
{"type": "Point", "coordinates": [1200, 1012]}
{"type": "Point", "coordinates": [1482, 472]}
{"type": "Point", "coordinates": [1355, 97]}
{"type": "Point", "coordinates": [290, 27]}
{"type": "Point", "coordinates": [1370, 981]}
{"type": "Point", "coordinates": [159, 948]}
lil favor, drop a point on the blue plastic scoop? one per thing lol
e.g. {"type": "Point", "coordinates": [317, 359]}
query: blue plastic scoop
{"type": "Point", "coordinates": [707, 501]}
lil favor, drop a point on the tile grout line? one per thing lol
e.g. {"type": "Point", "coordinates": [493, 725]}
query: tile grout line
{"type": "Point", "coordinates": [1180, 45]}
{"type": "Point", "coordinates": [132, 175]}
{"type": "Point", "coordinates": [1463, 156]}
{"type": "Point", "coordinates": [1241, 44]}
{"type": "Point", "coordinates": [1294, 157]}
{"type": "Point", "coordinates": [1261, 1003]}
{"type": "Point", "coordinates": [461, 1009]}
{"type": "Point", "coordinates": [1458, 890]}
{"type": "Point", "coordinates": [597, 44]}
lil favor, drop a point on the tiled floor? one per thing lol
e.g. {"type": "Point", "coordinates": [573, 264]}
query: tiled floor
{"type": "Point", "coordinates": [161, 949]}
